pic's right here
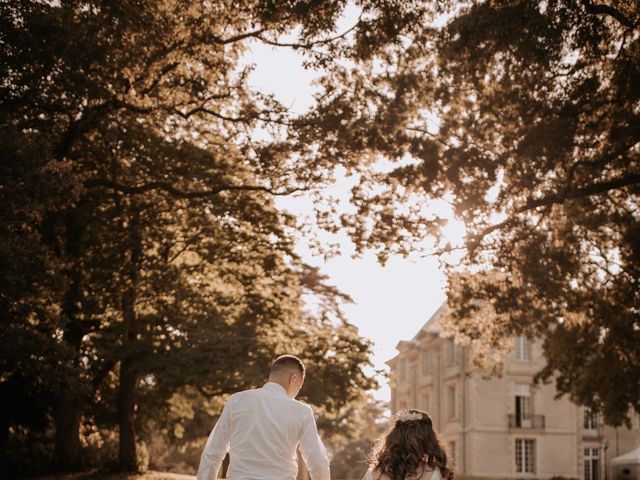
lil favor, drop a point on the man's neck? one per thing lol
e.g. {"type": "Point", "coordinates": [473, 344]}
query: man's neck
{"type": "Point", "coordinates": [277, 382]}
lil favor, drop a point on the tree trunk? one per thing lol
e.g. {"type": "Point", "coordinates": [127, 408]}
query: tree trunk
{"type": "Point", "coordinates": [4, 434]}
{"type": "Point", "coordinates": [128, 458]}
{"type": "Point", "coordinates": [67, 407]}
{"type": "Point", "coordinates": [67, 439]}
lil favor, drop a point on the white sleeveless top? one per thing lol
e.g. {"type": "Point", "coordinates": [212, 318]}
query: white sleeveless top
{"type": "Point", "coordinates": [435, 476]}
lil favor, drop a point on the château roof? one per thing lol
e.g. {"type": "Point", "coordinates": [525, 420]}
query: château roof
{"type": "Point", "coordinates": [431, 327]}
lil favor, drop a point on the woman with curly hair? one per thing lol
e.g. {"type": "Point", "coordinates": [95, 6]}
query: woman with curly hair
{"type": "Point", "coordinates": [411, 450]}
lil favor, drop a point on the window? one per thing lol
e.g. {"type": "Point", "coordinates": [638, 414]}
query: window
{"type": "Point", "coordinates": [425, 402]}
{"type": "Point", "coordinates": [524, 406]}
{"type": "Point", "coordinates": [452, 411]}
{"type": "Point", "coordinates": [451, 352]}
{"type": "Point", "coordinates": [525, 455]}
{"type": "Point", "coordinates": [414, 385]}
{"type": "Point", "coordinates": [403, 369]}
{"type": "Point", "coordinates": [452, 452]}
{"type": "Point", "coordinates": [591, 464]}
{"type": "Point", "coordinates": [523, 348]}
{"type": "Point", "coordinates": [590, 420]}
{"type": "Point", "coordinates": [426, 363]}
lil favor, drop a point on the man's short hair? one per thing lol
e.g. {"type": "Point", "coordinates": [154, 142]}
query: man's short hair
{"type": "Point", "coordinates": [287, 362]}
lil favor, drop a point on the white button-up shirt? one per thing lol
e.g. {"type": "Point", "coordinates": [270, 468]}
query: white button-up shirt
{"type": "Point", "coordinates": [262, 429]}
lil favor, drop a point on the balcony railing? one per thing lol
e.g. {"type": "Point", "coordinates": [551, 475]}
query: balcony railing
{"type": "Point", "coordinates": [534, 421]}
{"type": "Point", "coordinates": [593, 432]}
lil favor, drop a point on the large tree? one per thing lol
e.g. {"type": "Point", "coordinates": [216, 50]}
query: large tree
{"type": "Point", "coordinates": [138, 194]}
{"type": "Point", "coordinates": [523, 116]}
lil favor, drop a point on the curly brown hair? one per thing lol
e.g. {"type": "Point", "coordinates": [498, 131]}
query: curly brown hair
{"type": "Point", "coordinates": [408, 446]}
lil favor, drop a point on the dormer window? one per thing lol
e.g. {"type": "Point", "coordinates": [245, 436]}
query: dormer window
{"type": "Point", "coordinates": [426, 363]}
{"type": "Point", "coordinates": [590, 420]}
{"type": "Point", "coordinates": [451, 352]}
{"type": "Point", "coordinates": [523, 348]}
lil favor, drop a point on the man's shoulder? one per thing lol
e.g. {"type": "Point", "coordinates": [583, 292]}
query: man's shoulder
{"type": "Point", "coordinates": [234, 397]}
{"type": "Point", "coordinates": [248, 391]}
{"type": "Point", "coordinates": [303, 407]}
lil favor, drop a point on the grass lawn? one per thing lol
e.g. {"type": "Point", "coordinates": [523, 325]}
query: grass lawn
{"type": "Point", "coordinates": [120, 476]}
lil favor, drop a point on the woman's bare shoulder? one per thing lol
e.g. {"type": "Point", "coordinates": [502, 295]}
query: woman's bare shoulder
{"type": "Point", "coordinates": [427, 474]}
{"type": "Point", "coordinates": [376, 475]}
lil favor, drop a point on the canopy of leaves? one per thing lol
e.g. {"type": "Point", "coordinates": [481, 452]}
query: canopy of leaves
{"type": "Point", "coordinates": [525, 117]}
{"type": "Point", "coordinates": [138, 220]}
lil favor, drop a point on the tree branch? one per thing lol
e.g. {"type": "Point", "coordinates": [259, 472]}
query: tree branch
{"type": "Point", "coordinates": [237, 38]}
{"type": "Point", "coordinates": [79, 127]}
{"type": "Point", "coordinates": [187, 243]}
{"type": "Point", "coordinates": [531, 204]}
{"type": "Point", "coordinates": [163, 71]}
{"type": "Point", "coordinates": [258, 116]}
{"type": "Point", "coordinates": [310, 44]}
{"type": "Point", "coordinates": [601, 9]}
{"type": "Point", "coordinates": [428, 133]}
{"type": "Point", "coordinates": [102, 374]}
{"type": "Point", "coordinates": [202, 109]}
{"type": "Point", "coordinates": [189, 194]}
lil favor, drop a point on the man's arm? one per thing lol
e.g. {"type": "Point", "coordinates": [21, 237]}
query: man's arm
{"type": "Point", "coordinates": [312, 449]}
{"type": "Point", "coordinates": [217, 445]}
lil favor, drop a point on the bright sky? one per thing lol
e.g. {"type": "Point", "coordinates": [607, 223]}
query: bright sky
{"type": "Point", "coordinates": [391, 302]}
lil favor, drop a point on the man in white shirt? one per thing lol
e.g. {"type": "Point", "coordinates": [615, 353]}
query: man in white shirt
{"type": "Point", "coordinates": [262, 429]}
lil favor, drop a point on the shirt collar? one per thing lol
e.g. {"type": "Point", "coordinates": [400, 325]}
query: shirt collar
{"type": "Point", "coordinates": [276, 388]}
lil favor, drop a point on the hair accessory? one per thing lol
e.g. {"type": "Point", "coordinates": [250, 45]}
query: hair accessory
{"type": "Point", "coordinates": [407, 416]}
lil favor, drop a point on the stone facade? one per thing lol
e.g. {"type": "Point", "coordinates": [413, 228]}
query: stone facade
{"type": "Point", "coordinates": [503, 426]}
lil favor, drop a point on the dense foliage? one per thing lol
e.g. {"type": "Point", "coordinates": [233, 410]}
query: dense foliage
{"type": "Point", "coordinates": [146, 266]}
{"type": "Point", "coordinates": [143, 257]}
{"type": "Point", "coordinates": [524, 117]}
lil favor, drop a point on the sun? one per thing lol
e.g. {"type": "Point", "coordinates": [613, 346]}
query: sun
{"type": "Point", "coordinates": [454, 232]}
